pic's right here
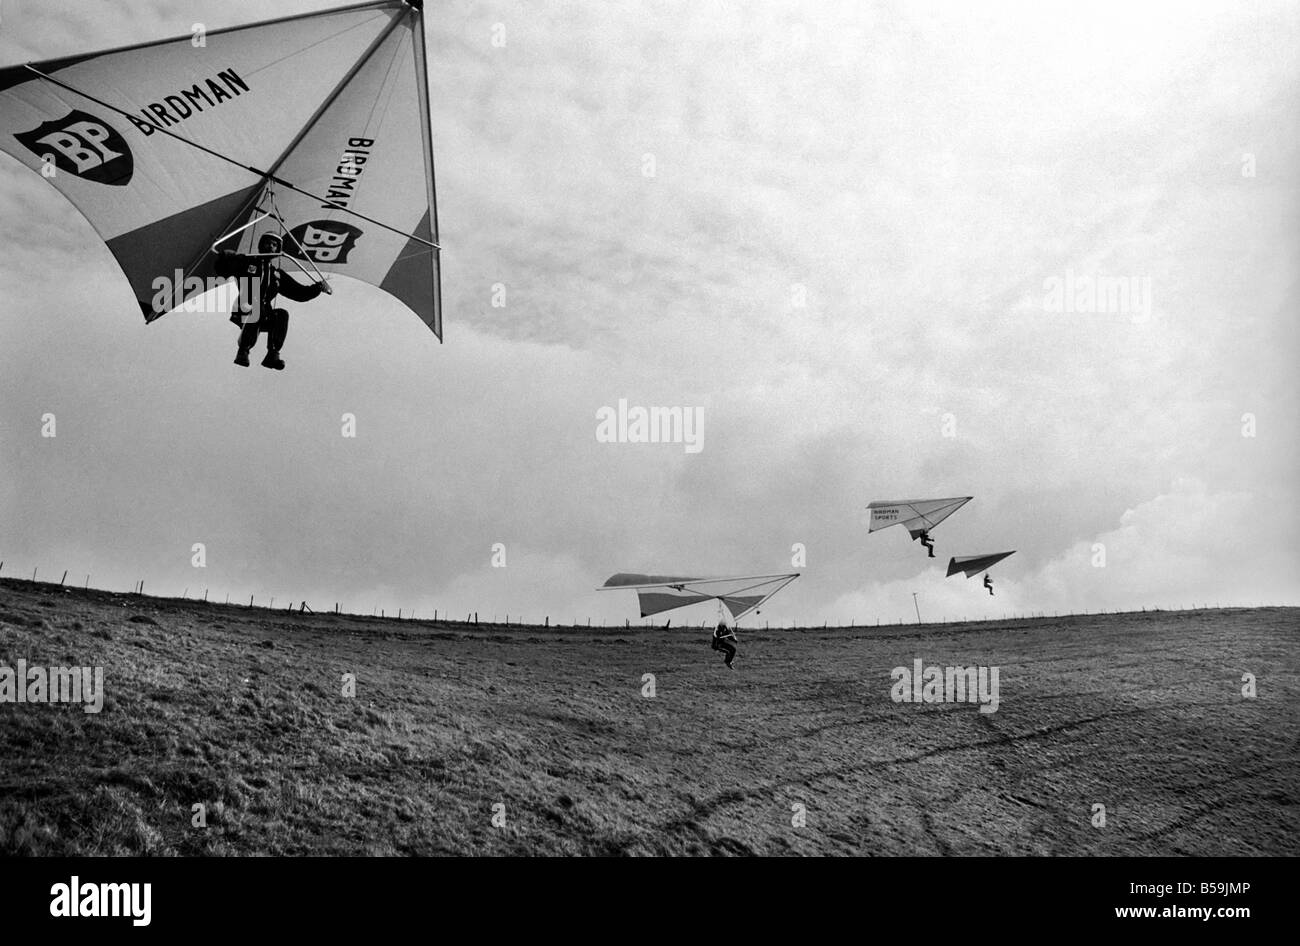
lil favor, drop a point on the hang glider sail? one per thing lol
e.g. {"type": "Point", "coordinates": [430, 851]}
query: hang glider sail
{"type": "Point", "coordinates": [315, 127]}
{"type": "Point", "coordinates": [658, 593]}
{"type": "Point", "coordinates": [918, 515]}
{"type": "Point", "coordinates": [974, 564]}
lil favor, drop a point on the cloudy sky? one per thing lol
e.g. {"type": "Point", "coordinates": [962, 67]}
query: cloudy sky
{"type": "Point", "coordinates": [838, 229]}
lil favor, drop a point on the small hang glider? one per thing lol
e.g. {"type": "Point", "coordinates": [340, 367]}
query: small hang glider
{"type": "Point", "coordinates": [918, 515]}
{"type": "Point", "coordinates": [312, 127]}
{"type": "Point", "coordinates": [974, 564]}
{"type": "Point", "coordinates": [658, 593]}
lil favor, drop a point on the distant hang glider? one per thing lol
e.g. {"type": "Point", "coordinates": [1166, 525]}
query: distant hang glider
{"type": "Point", "coordinates": [659, 593]}
{"type": "Point", "coordinates": [918, 515]}
{"type": "Point", "coordinates": [974, 564]}
{"type": "Point", "coordinates": [315, 127]}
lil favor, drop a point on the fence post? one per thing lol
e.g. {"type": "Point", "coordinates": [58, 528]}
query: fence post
{"type": "Point", "coordinates": [64, 578]}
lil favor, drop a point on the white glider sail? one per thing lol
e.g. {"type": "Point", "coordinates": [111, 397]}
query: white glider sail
{"type": "Point", "coordinates": [317, 124]}
{"type": "Point", "coordinates": [659, 593]}
{"type": "Point", "coordinates": [918, 515]}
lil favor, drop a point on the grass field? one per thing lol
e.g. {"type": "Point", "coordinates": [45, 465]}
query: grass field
{"type": "Point", "coordinates": [242, 710]}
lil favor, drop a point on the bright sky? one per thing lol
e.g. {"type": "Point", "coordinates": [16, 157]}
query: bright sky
{"type": "Point", "coordinates": [845, 256]}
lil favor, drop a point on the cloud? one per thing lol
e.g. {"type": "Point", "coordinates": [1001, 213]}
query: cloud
{"type": "Point", "coordinates": [840, 258]}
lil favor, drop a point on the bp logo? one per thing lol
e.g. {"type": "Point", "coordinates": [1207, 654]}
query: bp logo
{"type": "Point", "coordinates": [323, 241]}
{"type": "Point", "coordinates": [83, 145]}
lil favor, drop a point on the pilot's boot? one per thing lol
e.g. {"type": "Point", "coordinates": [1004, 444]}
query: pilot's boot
{"type": "Point", "coordinates": [247, 339]}
{"type": "Point", "coordinates": [275, 335]}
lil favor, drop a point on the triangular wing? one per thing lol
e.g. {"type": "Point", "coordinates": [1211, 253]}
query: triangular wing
{"type": "Point", "coordinates": [974, 564]}
{"type": "Point", "coordinates": [918, 515]}
{"type": "Point", "coordinates": [167, 146]}
{"type": "Point", "coordinates": [659, 593]}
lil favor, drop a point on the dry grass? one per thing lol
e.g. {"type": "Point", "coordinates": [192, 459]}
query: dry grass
{"type": "Point", "coordinates": [241, 710]}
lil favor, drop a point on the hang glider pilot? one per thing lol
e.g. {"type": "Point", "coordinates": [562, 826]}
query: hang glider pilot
{"type": "Point", "coordinates": [927, 542]}
{"type": "Point", "coordinates": [271, 281]}
{"type": "Point", "coordinates": [724, 639]}
{"type": "Point", "coordinates": [988, 583]}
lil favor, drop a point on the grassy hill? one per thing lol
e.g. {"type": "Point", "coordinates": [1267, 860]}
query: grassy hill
{"type": "Point", "coordinates": [241, 710]}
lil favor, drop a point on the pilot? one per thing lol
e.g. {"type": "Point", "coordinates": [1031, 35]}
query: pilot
{"type": "Point", "coordinates": [257, 314]}
{"type": "Point", "coordinates": [927, 542]}
{"type": "Point", "coordinates": [724, 639]}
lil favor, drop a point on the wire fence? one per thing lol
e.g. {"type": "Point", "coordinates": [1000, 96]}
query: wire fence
{"type": "Point", "coordinates": [472, 618]}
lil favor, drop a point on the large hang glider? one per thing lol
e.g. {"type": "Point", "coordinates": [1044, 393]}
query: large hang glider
{"type": "Point", "coordinates": [918, 515]}
{"type": "Point", "coordinates": [974, 564]}
{"type": "Point", "coordinates": [658, 593]}
{"type": "Point", "coordinates": [314, 127]}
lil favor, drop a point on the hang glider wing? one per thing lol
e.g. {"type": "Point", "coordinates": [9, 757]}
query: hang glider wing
{"type": "Point", "coordinates": [320, 120]}
{"type": "Point", "coordinates": [918, 515]}
{"type": "Point", "coordinates": [974, 564]}
{"type": "Point", "coordinates": [658, 593]}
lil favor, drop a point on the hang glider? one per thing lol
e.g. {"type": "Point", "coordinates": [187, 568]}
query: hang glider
{"type": "Point", "coordinates": [974, 564]}
{"type": "Point", "coordinates": [314, 127]}
{"type": "Point", "coordinates": [658, 593]}
{"type": "Point", "coordinates": [918, 515]}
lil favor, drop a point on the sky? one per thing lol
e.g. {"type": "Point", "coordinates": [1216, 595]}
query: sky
{"type": "Point", "coordinates": [842, 232]}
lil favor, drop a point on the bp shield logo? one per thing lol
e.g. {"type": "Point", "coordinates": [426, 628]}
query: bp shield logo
{"type": "Point", "coordinates": [323, 241]}
{"type": "Point", "coordinates": [84, 145]}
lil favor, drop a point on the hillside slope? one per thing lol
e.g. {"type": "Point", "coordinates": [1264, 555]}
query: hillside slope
{"type": "Point", "coordinates": [241, 710]}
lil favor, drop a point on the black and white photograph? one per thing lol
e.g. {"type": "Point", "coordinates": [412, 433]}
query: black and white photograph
{"type": "Point", "coordinates": [579, 430]}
